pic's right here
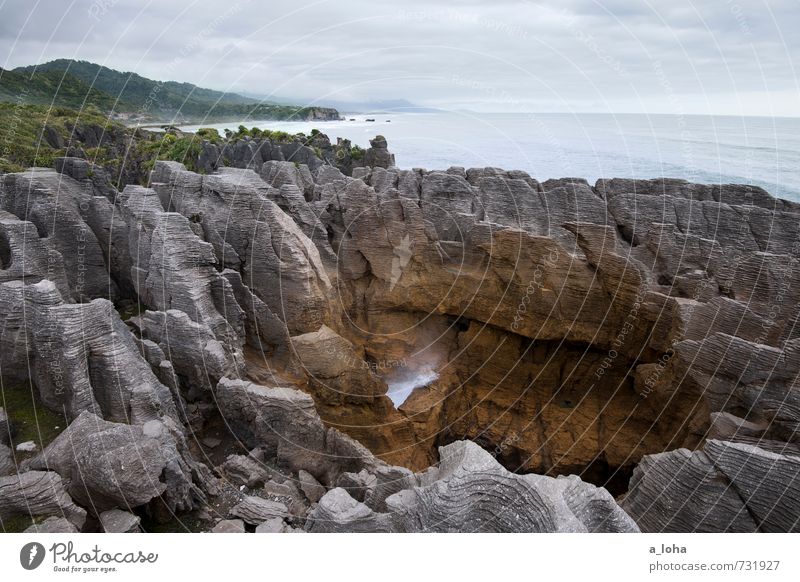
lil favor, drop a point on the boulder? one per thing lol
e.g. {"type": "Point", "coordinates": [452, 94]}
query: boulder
{"type": "Point", "coordinates": [472, 492]}
{"type": "Point", "coordinates": [119, 521]}
{"type": "Point", "coordinates": [55, 203]}
{"type": "Point", "coordinates": [245, 470]}
{"type": "Point", "coordinates": [255, 510]}
{"type": "Point", "coordinates": [7, 464]}
{"type": "Point", "coordinates": [725, 487]}
{"type": "Point", "coordinates": [107, 465]}
{"type": "Point", "coordinates": [229, 526]}
{"type": "Point", "coordinates": [273, 525]}
{"type": "Point", "coordinates": [38, 493]}
{"type": "Point", "coordinates": [285, 423]}
{"type": "Point", "coordinates": [310, 487]}
{"type": "Point", "coordinates": [53, 525]}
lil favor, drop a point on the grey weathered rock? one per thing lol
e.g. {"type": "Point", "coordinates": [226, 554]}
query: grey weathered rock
{"type": "Point", "coordinates": [5, 428]}
{"type": "Point", "coordinates": [264, 330]}
{"type": "Point", "coordinates": [119, 521]}
{"type": "Point", "coordinates": [26, 447]}
{"type": "Point", "coordinates": [767, 482]}
{"type": "Point", "coordinates": [199, 359]}
{"type": "Point", "coordinates": [245, 470]}
{"type": "Point", "coordinates": [728, 486]}
{"type": "Point", "coordinates": [310, 487]}
{"type": "Point", "coordinates": [229, 526]}
{"type": "Point", "coordinates": [285, 422]}
{"type": "Point", "coordinates": [272, 525]}
{"type": "Point", "coordinates": [55, 203]}
{"type": "Point", "coordinates": [378, 154]}
{"type": "Point", "coordinates": [86, 359]}
{"type": "Point", "coordinates": [472, 492]}
{"type": "Point", "coordinates": [358, 485]}
{"type": "Point", "coordinates": [288, 493]}
{"type": "Point", "coordinates": [682, 491]}
{"type": "Point", "coordinates": [338, 512]}
{"type": "Point", "coordinates": [7, 464]}
{"type": "Point", "coordinates": [173, 269]}
{"type": "Point", "coordinates": [38, 493]}
{"type": "Point", "coordinates": [28, 258]}
{"type": "Point", "coordinates": [53, 525]}
{"type": "Point", "coordinates": [255, 510]}
{"type": "Point", "coordinates": [107, 465]}
{"type": "Point", "coordinates": [276, 259]}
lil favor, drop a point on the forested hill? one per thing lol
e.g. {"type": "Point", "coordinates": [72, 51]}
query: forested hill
{"type": "Point", "coordinates": [127, 95]}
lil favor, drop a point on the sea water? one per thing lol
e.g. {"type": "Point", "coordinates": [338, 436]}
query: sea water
{"type": "Point", "coordinates": [763, 151]}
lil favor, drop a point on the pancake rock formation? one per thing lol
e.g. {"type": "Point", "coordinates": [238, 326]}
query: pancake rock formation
{"type": "Point", "coordinates": [276, 346]}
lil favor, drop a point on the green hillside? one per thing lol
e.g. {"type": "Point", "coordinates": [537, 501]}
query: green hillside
{"type": "Point", "coordinates": [52, 88]}
{"type": "Point", "coordinates": [137, 90]}
{"type": "Point", "coordinates": [137, 95]}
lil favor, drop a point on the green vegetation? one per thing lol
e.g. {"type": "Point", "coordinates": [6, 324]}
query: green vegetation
{"type": "Point", "coordinates": [356, 152]}
{"type": "Point", "coordinates": [29, 134]}
{"type": "Point", "coordinates": [21, 138]}
{"type": "Point", "coordinates": [185, 149]}
{"type": "Point", "coordinates": [53, 88]}
{"type": "Point", "coordinates": [30, 420]}
{"type": "Point", "coordinates": [20, 523]}
{"type": "Point", "coordinates": [73, 84]}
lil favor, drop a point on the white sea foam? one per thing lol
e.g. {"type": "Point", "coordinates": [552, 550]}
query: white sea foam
{"type": "Point", "coordinates": [400, 390]}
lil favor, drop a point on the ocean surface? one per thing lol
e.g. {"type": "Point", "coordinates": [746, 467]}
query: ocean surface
{"type": "Point", "coordinates": [763, 151]}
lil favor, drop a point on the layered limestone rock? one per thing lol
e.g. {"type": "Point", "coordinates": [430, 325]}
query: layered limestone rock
{"type": "Point", "coordinates": [85, 359]}
{"type": "Point", "coordinates": [726, 486]}
{"type": "Point", "coordinates": [351, 331]}
{"type": "Point", "coordinates": [252, 235]}
{"type": "Point", "coordinates": [284, 422]}
{"type": "Point", "coordinates": [471, 492]}
{"type": "Point", "coordinates": [108, 465]}
{"type": "Point", "coordinates": [60, 207]}
{"type": "Point", "coordinates": [38, 493]}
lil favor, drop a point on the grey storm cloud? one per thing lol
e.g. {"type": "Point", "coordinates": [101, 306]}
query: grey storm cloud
{"type": "Point", "coordinates": [718, 56]}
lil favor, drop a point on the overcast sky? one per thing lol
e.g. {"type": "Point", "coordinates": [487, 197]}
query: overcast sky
{"type": "Point", "coordinates": [676, 56]}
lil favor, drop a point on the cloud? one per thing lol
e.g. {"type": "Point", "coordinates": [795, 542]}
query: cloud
{"type": "Point", "coordinates": [718, 56]}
